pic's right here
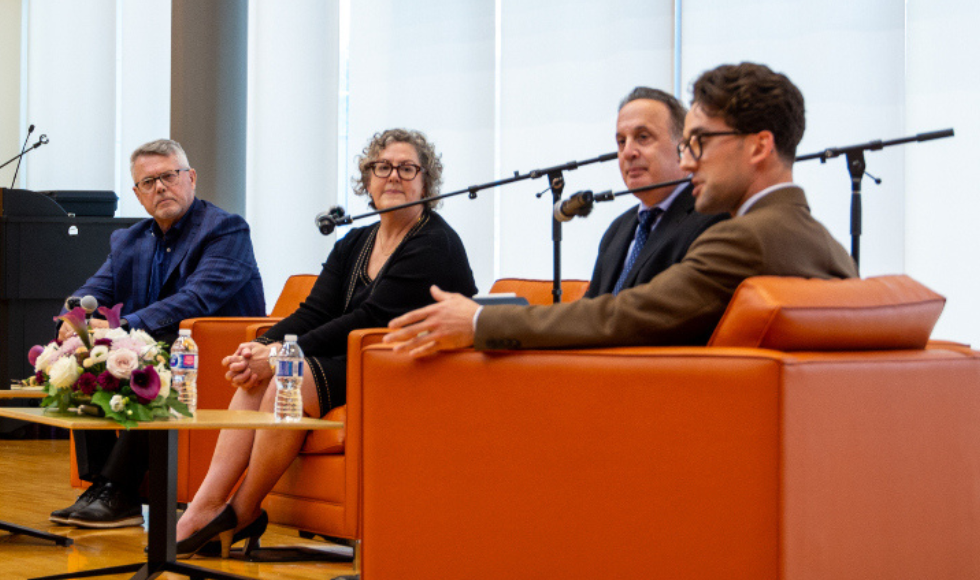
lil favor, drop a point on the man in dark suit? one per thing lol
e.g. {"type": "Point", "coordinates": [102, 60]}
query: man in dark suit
{"type": "Point", "coordinates": [190, 259]}
{"type": "Point", "coordinates": [739, 145]}
{"type": "Point", "coordinates": [648, 129]}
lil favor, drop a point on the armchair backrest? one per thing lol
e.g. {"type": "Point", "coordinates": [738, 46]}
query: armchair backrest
{"type": "Point", "coordinates": [539, 291]}
{"type": "Point", "coordinates": [294, 292]}
{"type": "Point", "coordinates": [797, 314]}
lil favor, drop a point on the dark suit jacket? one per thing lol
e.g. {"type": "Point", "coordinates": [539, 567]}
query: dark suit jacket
{"type": "Point", "coordinates": [681, 306]}
{"type": "Point", "coordinates": [212, 272]}
{"type": "Point", "coordinates": [668, 243]}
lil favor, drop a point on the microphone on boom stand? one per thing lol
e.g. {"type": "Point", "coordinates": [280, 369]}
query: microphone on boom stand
{"type": "Point", "coordinates": [580, 204]}
{"type": "Point", "coordinates": [327, 221]}
{"type": "Point", "coordinates": [22, 150]}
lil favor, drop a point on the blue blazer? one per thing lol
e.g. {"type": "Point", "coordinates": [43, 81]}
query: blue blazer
{"type": "Point", "coordinates": [212, 272]}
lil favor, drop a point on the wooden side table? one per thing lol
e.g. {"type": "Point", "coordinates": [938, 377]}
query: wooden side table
{"type": "Point", "coordinates": [162, 532]}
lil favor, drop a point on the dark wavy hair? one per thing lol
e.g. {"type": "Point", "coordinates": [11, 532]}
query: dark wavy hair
{"type": "Point", "coordinates": [751, 98]}
{"type": "Point", "coordinates": [430, 161]}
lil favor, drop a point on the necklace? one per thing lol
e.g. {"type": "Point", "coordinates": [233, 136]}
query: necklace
{"type": "Point", "coordinates": [396, 240]}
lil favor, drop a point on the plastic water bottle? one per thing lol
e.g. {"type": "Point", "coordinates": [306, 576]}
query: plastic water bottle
{"type": "Point", "coordinates": [183, 369]}
{"type": "Point", "coordinates": [289, 376]}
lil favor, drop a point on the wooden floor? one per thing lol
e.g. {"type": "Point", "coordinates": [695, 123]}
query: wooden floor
{"type": "Point", "coordinates": [34, 482]}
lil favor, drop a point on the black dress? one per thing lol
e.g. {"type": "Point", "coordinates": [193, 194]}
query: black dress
{"type": "Point", "coordinates": [345, 298]}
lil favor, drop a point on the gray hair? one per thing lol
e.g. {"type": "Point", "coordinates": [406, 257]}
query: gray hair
{"type": "Point", "coordinates": [162, 147]}
{"type": "Point", "coordinates": [430, 161]}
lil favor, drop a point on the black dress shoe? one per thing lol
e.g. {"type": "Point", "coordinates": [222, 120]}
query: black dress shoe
{"type": "Point", "coordinates": [114, 507]}
{"type": "Point", "coordinates": [63, 516]}
{"type": "Point", "coordinates": [221, 527]}
{"type": "Point", "coordinates": [250, 533]}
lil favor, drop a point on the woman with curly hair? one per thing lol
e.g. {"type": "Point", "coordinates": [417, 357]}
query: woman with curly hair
{"type": "Point", "coordinates": [372, 275]}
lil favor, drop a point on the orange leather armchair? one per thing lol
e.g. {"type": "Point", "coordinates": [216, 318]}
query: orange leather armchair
{"type": "Point", "coordinates": [320, 492]}
{"type": "Point", "coordinates": [540, 291]}
{"type": "Point", "coordinates": [819, 436]}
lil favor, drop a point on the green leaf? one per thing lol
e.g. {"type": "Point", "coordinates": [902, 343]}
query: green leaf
{"type": "Point", "coordinates": [180, 407]}
{"type": "Point", "coordinates": [141, 413]}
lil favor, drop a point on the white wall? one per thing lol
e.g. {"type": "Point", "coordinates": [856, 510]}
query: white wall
{"type": "Point", "coordinates": [292, 135]}
{"type": "Point", "coordinates": [98, 85]}
{"type": "Point", "coordinates": [942, 197]}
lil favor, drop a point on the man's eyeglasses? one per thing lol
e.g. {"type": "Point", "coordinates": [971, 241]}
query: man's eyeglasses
{"type": "Point", "coordinates": [406, 171]}
{"type": "Point", "coordinates": [168, 178]}
{"type": "Point", "coordinates": [695, 143]}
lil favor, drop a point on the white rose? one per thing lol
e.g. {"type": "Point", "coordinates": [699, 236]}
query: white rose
{"type": "Point", "coordinates": [47, 356]}
{"type": "Point", "coordinates": [64, 372]}
{"type": "Point", "coordinates": [121, 363]}
{"type": "Point", "coordinates": [142, 336]}
{"type": "Point", "coordinates": [117, 403]}
{"type": "Point", "coordinates": [164, 381]}
{"type": "Point", "coordinates": [115, 334]}
{"type": "Point", "coordinates": [99, 354]}
{"type": "Point", "coordinates": [149, 352]}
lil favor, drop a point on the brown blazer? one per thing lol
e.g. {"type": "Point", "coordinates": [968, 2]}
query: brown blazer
{"type": "Point", "coordinates": [683, 304]}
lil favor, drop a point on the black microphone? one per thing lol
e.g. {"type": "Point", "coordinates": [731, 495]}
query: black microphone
{"type": "Point", "coordinates": [579, 204]}
{"type": "Point", "coordinates": [327, 221]}
{"type": "Point", "coordinates": [22, 150]}
{"type": "Point", "coordinates": [72, 302]}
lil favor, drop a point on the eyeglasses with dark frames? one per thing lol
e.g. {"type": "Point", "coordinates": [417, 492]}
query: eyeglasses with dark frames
{"type": "Point", "coordinates": [406, 171]}
{"type": "Point", "coordinates": [168, 178]}
{"type": "Point", "coordinates": [695, 143]}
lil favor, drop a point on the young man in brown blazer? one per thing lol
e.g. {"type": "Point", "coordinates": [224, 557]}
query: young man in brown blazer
{"type": "Point", "coordinates": [739, 145]}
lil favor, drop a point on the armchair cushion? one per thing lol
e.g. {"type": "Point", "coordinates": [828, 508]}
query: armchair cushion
{"type": "Point", "coordinates": [795, 314]}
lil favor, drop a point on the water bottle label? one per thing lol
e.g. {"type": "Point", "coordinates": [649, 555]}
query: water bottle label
{"type": "Point", "coordinates": [285, 368]}
{"type": "Point", "coordinates": [187, 361]}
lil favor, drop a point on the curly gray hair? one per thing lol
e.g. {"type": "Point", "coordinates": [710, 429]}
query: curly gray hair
{"type": "Point", "coordinates": [430, 161]}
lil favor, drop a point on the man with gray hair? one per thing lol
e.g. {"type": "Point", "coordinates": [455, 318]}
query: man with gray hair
{"type": "Point", "coordinates": [190, 259]}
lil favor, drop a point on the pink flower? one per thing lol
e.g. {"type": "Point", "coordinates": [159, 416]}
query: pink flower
{"type": "Point", "coordinates": [121, 363]}
{"type": "Point", "coordinates": [146, 384]}
{"type": "Point", "coordinates": [108, 382]}
{"type": "Point", "coordinates": [86, 384]}
{"type": "Point", "coordinates": [35, 352]}
{"type": "Point", "coordinates": [112, 315]}
{"type": "Point", "coordinates": [76, 319]}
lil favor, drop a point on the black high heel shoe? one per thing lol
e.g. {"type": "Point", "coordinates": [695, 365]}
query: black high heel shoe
{"type": "Point", "coordinates": [221, 527]}
{"type": "Point", "coordinates": [250, 533]}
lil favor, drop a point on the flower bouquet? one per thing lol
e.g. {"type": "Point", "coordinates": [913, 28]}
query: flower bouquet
{"type": "Point", "coordinates": [106, 372]}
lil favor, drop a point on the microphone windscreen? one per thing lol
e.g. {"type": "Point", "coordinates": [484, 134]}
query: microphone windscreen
{"type": "Point", "coordinates": [90, 304]}
{"type": "Point", "coordinates": [72, 302]}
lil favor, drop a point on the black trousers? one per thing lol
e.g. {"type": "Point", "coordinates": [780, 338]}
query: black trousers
{"type": "Point", "coordinates": [121, 459]}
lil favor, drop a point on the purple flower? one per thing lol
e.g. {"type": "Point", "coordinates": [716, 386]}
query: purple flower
{"type": "Point", "coordinates": [145, 383]}
{"type": "Point", "coordinates": [39, 378]}
{"type": "Point", "coordinates": [112, 315]}
{"type": "Point", "coordinates": [35, 352]}
{"type": "Point", "coordinates": [86, 384]}
{"type": "Point", "coordinates": [108, 382]}
{"type": "Point", "coordinates": [102, 342]}
{"type": "Point", "coordinates": [76, 319]}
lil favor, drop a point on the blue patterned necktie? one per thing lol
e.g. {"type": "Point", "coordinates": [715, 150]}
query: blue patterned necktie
{"type": "Point", "coordinates": [647, 217]}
